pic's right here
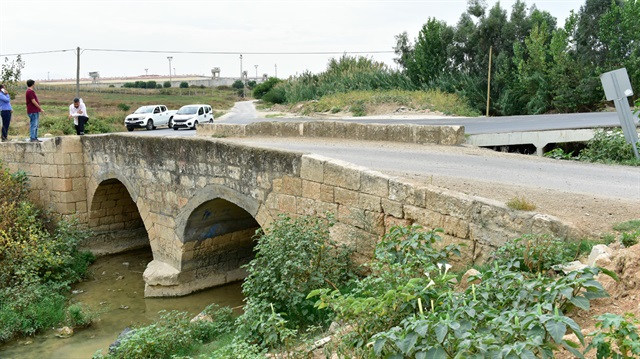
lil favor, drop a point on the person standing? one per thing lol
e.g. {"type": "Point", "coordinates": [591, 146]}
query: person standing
{"type": "Point", "coordinates": [33, 111]}
{"type": "Point", "coordinates": [78, 111]}
{"type": "Point", "coordinates": [5, 112]}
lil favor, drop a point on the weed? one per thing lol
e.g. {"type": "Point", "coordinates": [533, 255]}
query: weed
{"type": "Point", "coordinates": [616, 337]}
{"type": "Point", "coordinates": [627, 226]}
{"type": "Point", "coordinates": [629, 239]}
{"type": "Point", "coordinates": [124, 107]}
{"type": "Point", "coordinates": [521, 204]}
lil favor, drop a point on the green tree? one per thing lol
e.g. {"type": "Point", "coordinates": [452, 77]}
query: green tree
{"type": "Point", "coordinates": [11, 73]}
{"type": "Point", "coordinates": [430, 55]}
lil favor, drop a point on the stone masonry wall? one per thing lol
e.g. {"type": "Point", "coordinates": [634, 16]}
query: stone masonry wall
{"type": "Point", "coordinates": [56, 171]}
{"type": "Point", "coordinates": [420, 134]}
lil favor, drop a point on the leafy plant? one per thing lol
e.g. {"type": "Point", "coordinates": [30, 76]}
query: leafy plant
{"type": "Point", "coordinates": [559, 154]}
{"type": "Point", "coordinates": [534, 253]}
{"type": "Point", "coordinates": [124, 107]}
{"type": "Point", "coordinates": [521, 204]}
{"type": "Point", "coordinates": [616, 337]}
{"type": "Point", "coordinates": [608, 146]}
{"type": "Point", "coordinates": [627, 226]}
{"type": "Point", "coordinates": [629, 239]}
{"type": "Point", "coordinates": [294, 257]}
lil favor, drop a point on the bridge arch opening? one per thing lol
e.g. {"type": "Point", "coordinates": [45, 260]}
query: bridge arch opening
{"type": "Point", "coordinates": [218, 241]}
{"type": "Point", "coordinates": [115, 220]}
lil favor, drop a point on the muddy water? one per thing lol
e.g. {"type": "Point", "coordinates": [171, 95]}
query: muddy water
{"type": "Point", "coordinates": [116, 289]}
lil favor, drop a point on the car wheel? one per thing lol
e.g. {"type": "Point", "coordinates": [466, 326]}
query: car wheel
{"type": "Point", "coordinates": [129, 128]}
{"type": "Point", "coordinates": [211, 121]}
{"type": "Point", "coordinates": [150, 125]}
{"type": "Point", "coordinates": [175, 128]}
{"type": "Point", "coordinates": [194, 125]}
{"type": "Point", "coordinates": [170, 124]}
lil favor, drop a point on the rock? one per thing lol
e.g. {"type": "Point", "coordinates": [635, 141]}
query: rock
{"type": "Point", "coordinates": [572, 266]}
{"type": "Point", "coordinates": [599, 252]}
{"type": "Point", "coordinates": [125, 333]}
{"type": "Point", "coordinates": [64, 332]}
{"type": "Point", "coordinates": [201, 317]}
{"type": "Point", "coordinates": [161, 273]}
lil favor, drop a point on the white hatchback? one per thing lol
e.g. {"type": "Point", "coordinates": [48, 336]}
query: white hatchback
{"type": "Point", "coordinates": [190, 116]}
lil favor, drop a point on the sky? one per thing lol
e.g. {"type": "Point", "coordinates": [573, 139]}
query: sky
{"type": "Point", "coordinates": [275, 37]}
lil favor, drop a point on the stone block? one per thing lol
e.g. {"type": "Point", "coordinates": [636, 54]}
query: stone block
{"type": "Point", "coordinates": [311, 190]}
{"type": "Point", "coordinates": [342, 174]}
{"type": "Point", "coordinates": [161, 273]}
{"type": "Point", "coordinates": [286, 203]}
{"type": "Point", "coordinates": [292, 186]}
{"type": "Point", "coordinates": [312, 168]}
{"type": "Point", "coordinates": [400, 133]}
{"type": "Point", "coordinates": [346, 197]}
{"type": "Point", "coordinates": [61, 184]}
{"type": "Point", "coordinates": [369, 202]}
{"type": "Point", "coordinates": [325, 129]}
{"type": "Point", "coordinates": [327, 193]}
{"type": "Point", "coordinates": [374, 183]}
{"type": "Point", "coordinates": [427, 134]}
{"type": "Point", "coordinates": [306, 206]}
{"type": "Point", "coordinates": [392, 208]}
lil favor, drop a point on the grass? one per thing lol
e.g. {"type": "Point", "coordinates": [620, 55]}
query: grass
{"type": "Point", "coordinates": [629, 226]}
{"type": "Point", "coordinates": [361, 103]}
{"type": "Point", "coordinates": [521, 204]}
{"type": "Point", "coordinates": [106, 110]}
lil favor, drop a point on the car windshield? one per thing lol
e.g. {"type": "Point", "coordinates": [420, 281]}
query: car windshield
{"type": "Point", "coordinates": [187, 110]}
{"type": "Point", "coordinates": [145, 109]}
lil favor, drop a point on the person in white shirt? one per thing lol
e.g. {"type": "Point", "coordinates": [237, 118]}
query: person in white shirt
{"type": "Point", "coordinates": [78, 111]}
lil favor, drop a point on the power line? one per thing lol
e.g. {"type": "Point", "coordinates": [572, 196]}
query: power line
{"type": "Point", "coordinates": [209, 52]}
{"type": "Point", "coordinates": [242, 52]}
{"type": "Point", "coordinates": [37, 52]}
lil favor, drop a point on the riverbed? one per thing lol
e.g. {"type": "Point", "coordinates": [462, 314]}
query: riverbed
{"type": "Point", "coordinates": [115, 289]}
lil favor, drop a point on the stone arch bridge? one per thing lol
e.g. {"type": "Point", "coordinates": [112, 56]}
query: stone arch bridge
{"type": "Point", "coordinates": [197, 202]}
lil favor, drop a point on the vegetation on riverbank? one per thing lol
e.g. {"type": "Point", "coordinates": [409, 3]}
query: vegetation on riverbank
{"type": "Point", "coordinates": [39, 260]}
{"type": "Point", "coordinates": [405, 303]}
{"type": "Point", "coordinates": [607, 146]}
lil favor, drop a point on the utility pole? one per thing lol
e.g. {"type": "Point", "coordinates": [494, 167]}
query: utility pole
{"type": "Point", "coordinates": [489, 80]}
{"type": "Point", "coordinates": [256, 66]}
{"type": "Point", "coordinates": [276, 68]}
{"type": "Point", "coordinates": [146, 72]}
{"type": "Point", "coordinates": [78, 73]}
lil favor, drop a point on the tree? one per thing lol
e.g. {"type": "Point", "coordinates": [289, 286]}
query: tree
{"type": "Point", "coordinates": [11, 72]}
{"type": "Point", "coordinates": [430, 55]}
{"type": "Point", "coordinates": [404, 51]}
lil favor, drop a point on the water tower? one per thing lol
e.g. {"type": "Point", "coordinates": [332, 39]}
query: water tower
{"type": "Point", "coordinates": [95, 75]}
{"type": "Point", "coordinates": [215, 73]}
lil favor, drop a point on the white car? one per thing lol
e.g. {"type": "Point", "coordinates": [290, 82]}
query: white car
{"type": "Point", "coordinates": [149, 117]}
{"type": "Point", "coordinates": [190, 116]}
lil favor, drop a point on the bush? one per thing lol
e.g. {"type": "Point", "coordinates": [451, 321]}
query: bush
{"type": "Point", "coordinates": [260, 90]}
{"type": "Point", "coordinates": [38, 260]}
{"type": "Point", "coordinates": [166, 84]}
{"type": "Point", "coordinates": [124, 107]}
{"type": "Point", "coordinates": [608, 146]}
{"type": "Point", "coordinates": [173, 334]}
{"type": "Point", "coordinates": [275, 95]}
{"type": "Point", "coordinates": [521, 204]}
{"type": "Point", "coordinates": [184, 85]}
{"type": "Point", "coordinates": [534, 253]}
{"type": "Point", "coordinates": [294, 257]}
{"type": "Point", "coordinates": [151, 84]}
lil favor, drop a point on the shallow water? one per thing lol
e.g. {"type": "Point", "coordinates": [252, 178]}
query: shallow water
{"type": "Point", "coordinates": [115, 288]}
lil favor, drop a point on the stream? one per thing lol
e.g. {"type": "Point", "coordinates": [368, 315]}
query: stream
{"type": "Point", "coordinates": [114, 287]}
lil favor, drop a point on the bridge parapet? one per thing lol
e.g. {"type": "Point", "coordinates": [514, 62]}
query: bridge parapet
{"type": "Point", "coordinates": [420, 134]}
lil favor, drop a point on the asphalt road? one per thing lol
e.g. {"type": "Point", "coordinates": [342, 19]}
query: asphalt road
{"type": "Point", "coordinates": [244, 112]}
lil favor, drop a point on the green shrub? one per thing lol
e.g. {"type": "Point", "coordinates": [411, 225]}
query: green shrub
{"type": "Point", "coordinates": [608, 146]}
{"type": "Point", "coordinates": [627, 226]}
{"type": "Point", "coordinates": [151, 84]}
{"type": "Point", "coordinates": [38, 260]}
{"type": "Point", "coordinates": [534, 253]}
{"type": "Point", "coordinates": [275, 95]}
{"type": "Point", "coordinates": [166, 84]}
{"type": "Point", "coordinates": [559, 154]}
{"type": "Point", "coordinates": [616, 337]}
{"type": "Point", "coordinates": [294, 257]}
{"type": "Point", "coordinates": [124, 107]}
{"type": "Point", "coordinates": [629, 239]}
{"type": "Point", "coordinates": [184, 85]}
{"type": "Point", "coordinates": [260, 90]}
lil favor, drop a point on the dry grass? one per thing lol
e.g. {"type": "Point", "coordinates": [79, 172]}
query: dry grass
{"type": "Point", "coordinates": [521, 204]}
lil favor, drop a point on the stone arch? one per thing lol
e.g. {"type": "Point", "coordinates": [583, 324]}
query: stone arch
{"type": "Point", "coordinates": [216, 228]}
{"type": "Point", "coordinates": [114, 217]}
